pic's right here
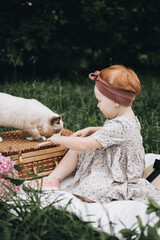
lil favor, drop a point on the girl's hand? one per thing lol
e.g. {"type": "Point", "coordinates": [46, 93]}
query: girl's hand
{"type": "Point", "coordinates": [82, 133]}
{"type": "Point", "coordinates": [53, 138]}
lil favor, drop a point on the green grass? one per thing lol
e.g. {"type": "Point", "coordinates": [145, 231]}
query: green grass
{"type": "Point", "coordinates": [79, 103]}
{"type": "Point", "coordinates": [26, 219]}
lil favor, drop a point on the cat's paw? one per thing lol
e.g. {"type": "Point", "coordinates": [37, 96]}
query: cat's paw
{"type": "Point", "coordinates": [41, 139]}
{"type": "Point", "coordinates": [1, 139]}
{"type": "Point", "coordinates": [38, 139]}
{"type": "Point", "coordinates": [44, 138]}
{"type": "Point", "coordinates": [29, 138]}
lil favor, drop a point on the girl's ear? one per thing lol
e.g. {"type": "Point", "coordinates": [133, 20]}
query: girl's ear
{"type": "Point", "coordinates": [62, 116]}
{"type": "Point", "coordinates": [116, 104]}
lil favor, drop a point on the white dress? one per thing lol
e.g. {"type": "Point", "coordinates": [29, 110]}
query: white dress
{"type": "Point", "coordinates": [114, 171]}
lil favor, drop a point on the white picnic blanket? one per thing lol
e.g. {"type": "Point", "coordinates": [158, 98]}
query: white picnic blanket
{"type": "Point", "coordinates": [121, 213]}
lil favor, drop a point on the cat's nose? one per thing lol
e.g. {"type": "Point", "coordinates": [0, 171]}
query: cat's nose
{"type": "Point", "coordinates": [57, 130]}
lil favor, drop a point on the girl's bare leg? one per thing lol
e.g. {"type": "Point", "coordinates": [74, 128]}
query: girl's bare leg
{"type": "Point", "coordinates": [66, 166]}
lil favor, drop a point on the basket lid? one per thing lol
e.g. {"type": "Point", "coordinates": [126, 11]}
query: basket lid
{"type": "Point", "coordinates": [14, 142]}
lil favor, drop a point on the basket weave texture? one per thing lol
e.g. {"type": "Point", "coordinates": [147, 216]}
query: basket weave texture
{"type": "Point", "coordinates": [33, 157]}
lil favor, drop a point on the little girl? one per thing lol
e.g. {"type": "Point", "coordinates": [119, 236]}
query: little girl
{"type": "Point", "coordinates": [109, 160]}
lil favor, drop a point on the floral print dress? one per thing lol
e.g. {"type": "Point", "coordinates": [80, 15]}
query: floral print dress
{"type": "Point", "coordinates": [114, 171]}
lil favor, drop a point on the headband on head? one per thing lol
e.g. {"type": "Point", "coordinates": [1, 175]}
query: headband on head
{"type": "Point", "coordinates": [121, 96]}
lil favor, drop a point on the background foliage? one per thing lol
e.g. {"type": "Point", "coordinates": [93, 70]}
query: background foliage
{"type": "Point", "coordinates": [66, 36]}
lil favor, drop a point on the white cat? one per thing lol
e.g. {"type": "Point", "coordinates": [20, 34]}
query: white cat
{"type": "Point", "coordinates": [28, 115]}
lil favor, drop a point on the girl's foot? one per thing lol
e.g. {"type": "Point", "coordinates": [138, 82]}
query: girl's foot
{"type": "Point", "coordinates": [45, 183]}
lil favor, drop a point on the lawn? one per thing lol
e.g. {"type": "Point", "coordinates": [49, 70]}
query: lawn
{"type": "Point", "coordinates": [77, 100]}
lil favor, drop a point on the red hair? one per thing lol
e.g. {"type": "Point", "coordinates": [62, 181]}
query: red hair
{"type": "Point", "coordinates": [121, 77]}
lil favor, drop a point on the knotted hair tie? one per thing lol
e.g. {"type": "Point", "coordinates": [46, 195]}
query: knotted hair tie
{"type": "Point", "coordinates": [118, 95]}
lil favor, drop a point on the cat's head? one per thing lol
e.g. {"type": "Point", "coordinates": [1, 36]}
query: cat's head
{"type": "Point", "coordinates": [55, 124]}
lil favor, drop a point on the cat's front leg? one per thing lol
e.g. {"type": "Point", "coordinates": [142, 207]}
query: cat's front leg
{"type": "Point", "coordinates": [1, 139]}
{"type": "Point", "coordinates": [32, 134]}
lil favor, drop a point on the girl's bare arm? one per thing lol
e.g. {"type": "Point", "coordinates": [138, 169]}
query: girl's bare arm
{"type": "Point", "coordinates": [86, 131]}
{"type": "Point", "coordinates": [75, 143]}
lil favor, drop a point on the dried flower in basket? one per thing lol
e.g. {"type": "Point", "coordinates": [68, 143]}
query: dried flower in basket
{"type": "Point", "coordinates": [9, 183]}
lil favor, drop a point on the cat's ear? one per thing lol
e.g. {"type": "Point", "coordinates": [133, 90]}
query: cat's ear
{"type": "Point", "coordinates": [55, 120]}
{"type": "Point", "coordinates": [62, 116]}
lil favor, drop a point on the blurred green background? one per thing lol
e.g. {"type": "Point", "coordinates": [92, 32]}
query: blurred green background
{"type": "Point", "coordinates": [43, 38]}
{"type": "Point", "coordinates": [47, 49]}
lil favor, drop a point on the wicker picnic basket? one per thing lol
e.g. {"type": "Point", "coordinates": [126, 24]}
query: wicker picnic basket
{"type": "Point", "coordinates": [30, 155]}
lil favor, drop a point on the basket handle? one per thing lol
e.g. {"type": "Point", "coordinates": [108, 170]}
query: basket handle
{"type": "Point", "coordinates": [20, 157]}
{"type": "Point", "coordinates": [34, 169]}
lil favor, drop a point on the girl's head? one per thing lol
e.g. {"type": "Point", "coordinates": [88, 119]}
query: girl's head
{"type": "Point", "coordinates": [115, 89]}
{"type": "Point", "coordinates": [121, 77]}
